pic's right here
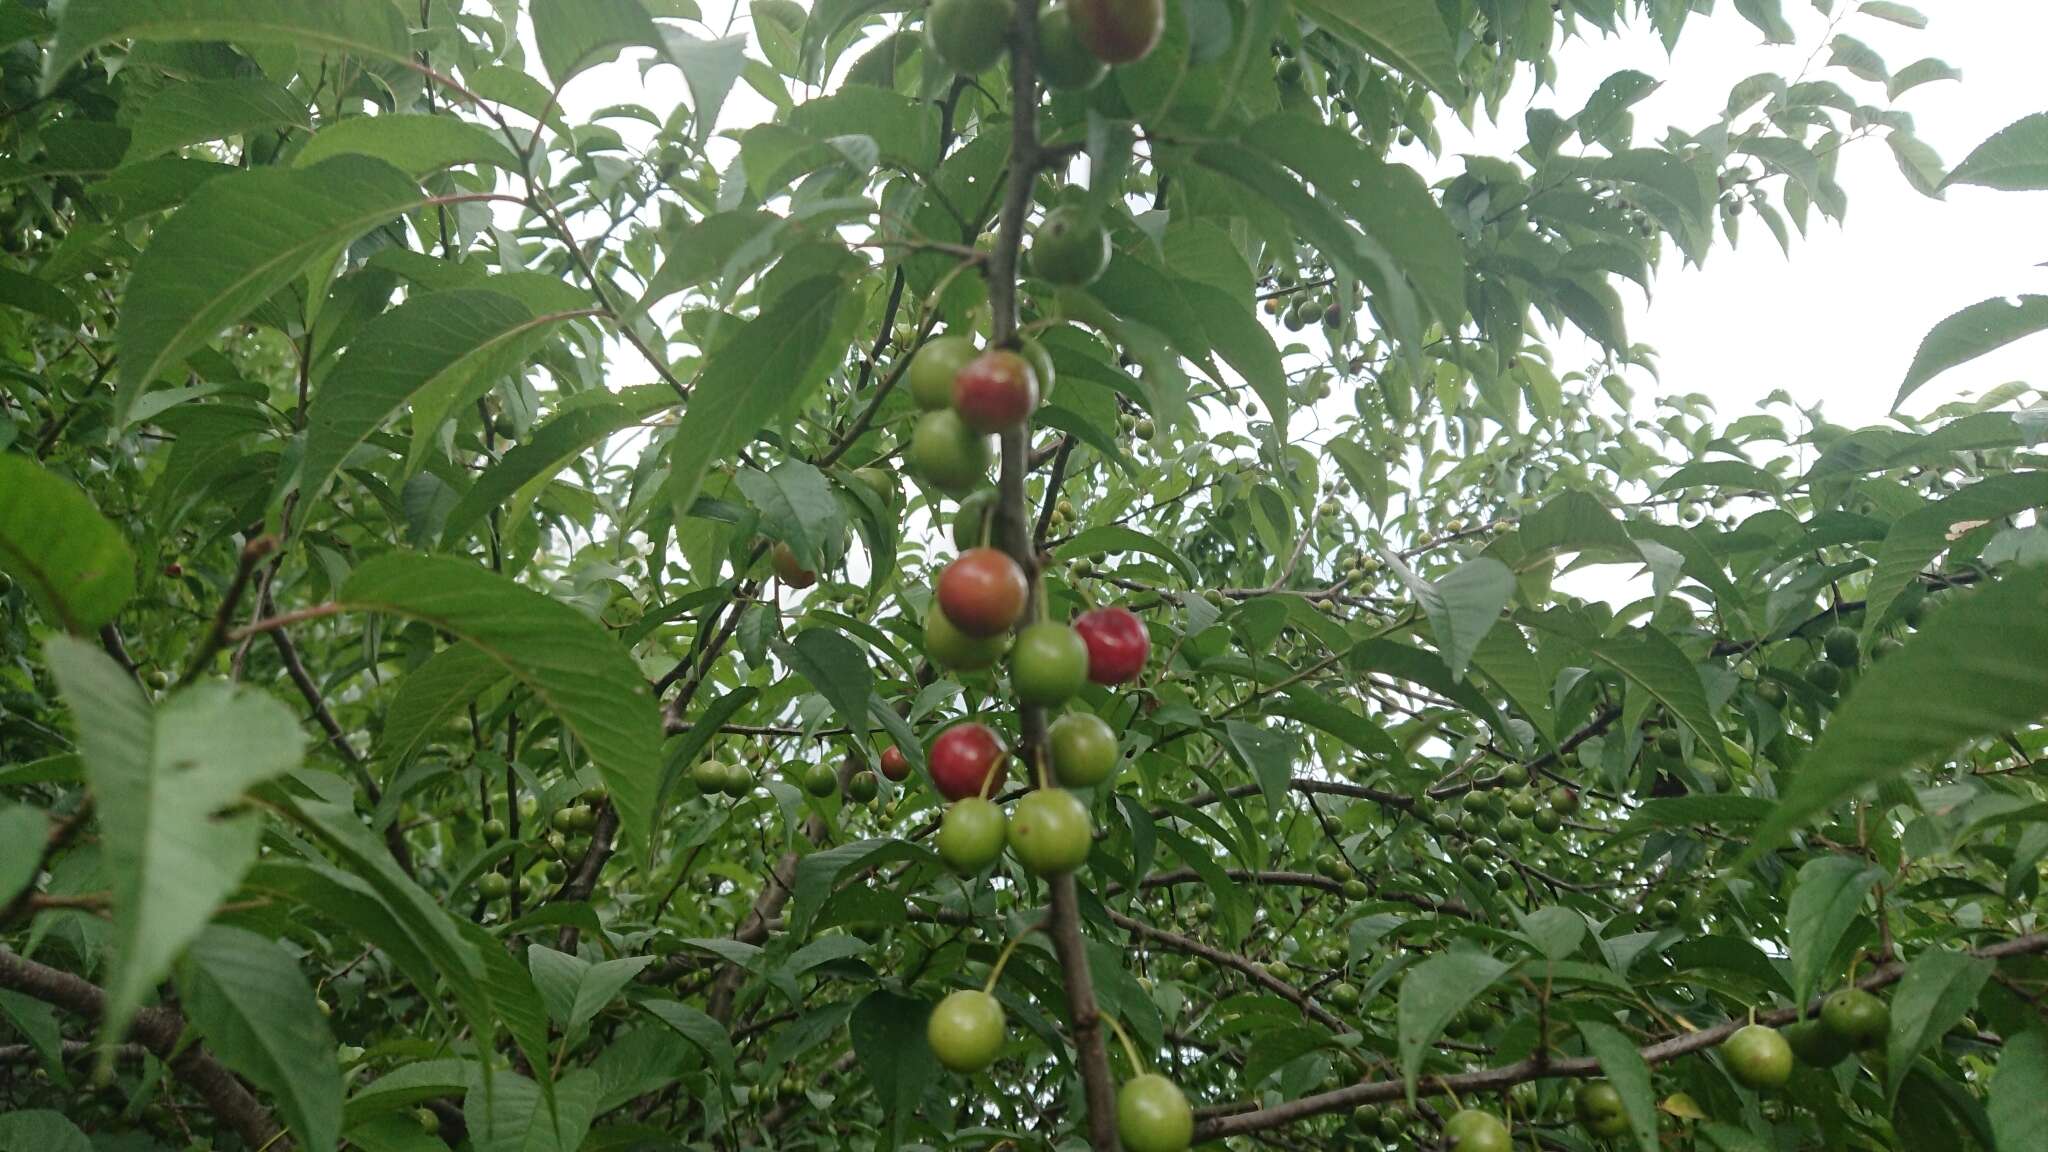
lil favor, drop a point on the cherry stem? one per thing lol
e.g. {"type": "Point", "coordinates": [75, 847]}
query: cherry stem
{"type": "Point", "coordinates": [996, 974]}
{"type": "Point", "coordinates": [1138, 1065]}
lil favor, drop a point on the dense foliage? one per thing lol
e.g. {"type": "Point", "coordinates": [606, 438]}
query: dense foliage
{"type": "Point", "coordinates": [508, 617]}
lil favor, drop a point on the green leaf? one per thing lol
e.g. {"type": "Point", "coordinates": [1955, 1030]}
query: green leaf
{"type": "Point", "coordinates": [576, 990]}
{"type": "Point", "coordinates": [1390, 201]}
{"type": "Point", "coordinates": [520, 474]}
{"type": "Point", "coordinates": [1921, 72]}
{"type": "Point", "coordinates": [510, 1113]}
{"type": "Point", "coordinates": [757, 375]}
{"type": "Point", "coordinates": [1938, 990]}
{"type": "Point", "coordinates": [2019, 1094]}
{"type": "Point", "coordinates": [255, 1010]}
{"type": "Point", "coordinates": [438, 342]}
{"type": "Point", "coordinates": [888, 1040]}
{"type": "Point", "coordinates": [1464, 606]}
{"type": "Point", "coordinates": [1308, 706]}
{"type": "Point", "coordinates": [1826, 900]}
{"type": "Point", "coordinates": [1117, 538]}
{"type": "Point", "coordinates": [1267, 755]}
{"type": "Point", "coordinates": [1976, 671]}
{"type": "Point", "coordinates": [432, 695]}
{"type": "Point", "coordinates": [562, 656]}
{"type": "Point", "coordinates": [186, 114]}
{"type": "Point", "coordinates": [74, 564]}
{"type": "Point", "coordinates": [1896, 13]}
{"type": "Point", "coordinates": [2015, 159]}
{"type": "Point", "coordinates": [38, 297]}
{"type": "Point", "coordinates": [371, 28]}
{"type": "Point", "coordinates": [1408, 34]}
{"type": "Point", "coordinates": [1706, 808]}
{"type": "Point", "coordinates": [836, 667]}
{"type": "Point", "coordinates": [576, 34]}
{"type": "Point", "coordinates": [165, 782]}
{"type": "Point", "coordinates": [1625, 1069]}
{"type": "Point", "coordinates": [417, 144]}
{"type": "Point", "coordinates": [23, 831]}
{"type": "Point", "coordinates": [1649, 659]}
{"type": "Point", "coordinates": [1975, 331]}
{"type": "Point", "coordinates": [37, 1130]}
{"type": "Point", "coordinates": [1921, 535]}
{"type": "Point", "coordinates": [235, 243]}
{"type": "Point", "coordinates": [797, 507]}
{"type": "Point", "coordinates": [699, 1029]}
{"type": "Point", "coordinates": [1431, 993]}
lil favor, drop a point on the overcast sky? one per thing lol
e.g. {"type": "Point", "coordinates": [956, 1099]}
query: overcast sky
{"type": "Point", "coordinates": [1839, 320]}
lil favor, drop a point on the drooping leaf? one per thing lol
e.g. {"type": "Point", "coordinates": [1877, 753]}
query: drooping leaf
{"type": "Point", "coordinates": [74, 564]}
{"type": "Point", "coordinates": [372, 28]}
{"type": "Point", "coordinates": [510, 1113]}
{"type": "Point", "coordinates": [518, 475]}
{"type": "Point", "coordinates": [413, 143]}
{"type": "Point", "coordinates": [1408, 34]}
{"type": "Point", "coordinates": [1974, 672]}
{"type": "Point", "coordinates": [888, 1040]}
{"type": "Point", "coordinates": [256, 1012]}
{"type": "Point", "coordinates": [575, 34]}
{"type": "Point", "coordinates": [1826, 899]}
{"type": "Point", "coordinates": [433, 694]}
{"type": "Point", "coordinates": [194, 113]}
{"type": "Point", "coordinates": [2019, 1094]}
{"type": "Point", "coordinates": [238, 240]}
{"type": "Point", "coordinates": [1938, 990]}
{"type": "Point", "coordinates": [1464, 606]}
{"type": "Point", "coordinates": [166, 780]}
{"type": "Point", "coordinates": [1431, 993]}
{"type": "Point", "coordinates": [562, 656]}
{"type": "Point", "coordinates": [1624, 1068]}
{"type": "Point", "coordinates": [40, 1130]}
{"type": "Point", "coordinates": [759, 373]}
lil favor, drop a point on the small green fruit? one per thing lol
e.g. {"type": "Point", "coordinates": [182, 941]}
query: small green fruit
{"type": "Point", "coordinates": [1049, 664]}
{"type": "Point", "coordinates": [947, 453]}
{"type": "Point", "coordinates": [1758, 1057]}
{"type": "Point", "coordinates": [1050, 832]}
{"type": "Point", "coordinates": [1476, 1131]}
{"type": "Point", "coordinates": [1599, 1108]}
{"type": "Point", "coordinates": [969, 36]}
{"type": "Point", "coordinates": [1814, 1045]}
{"type": "Point", "coordinates": [1083, 749]}
{"type": "Point", "coordinates": [971, 834]}
{"type": "Point", "coordinates": [820, 780]}
{"type": "Point", "coordinates": [1856, 1017]}
{"type": "Point", "coordinates": [1153, 1116]}
{"type": "Point", "coordinates": [966, 1030]}
{"type": "Point", "coordinates": [1844, 647]}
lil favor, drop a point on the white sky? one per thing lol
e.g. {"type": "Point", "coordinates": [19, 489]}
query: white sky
{"type": "Point", "coordinates": [1839, 320]}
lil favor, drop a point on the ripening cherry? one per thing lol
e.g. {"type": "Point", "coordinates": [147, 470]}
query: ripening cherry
{"type": "Point", "coordinates": [895, 765]}
{"type": "Point", "coordinates": [968, 759]}
{"type": "Point", "coordinates": [996, 391]}
{"type": "Point", "coordinates": [983, 592]}
{"type": "Point", "coordinates": [789, 570]}
{"type": "Point", "coordinates": [1117, 644]}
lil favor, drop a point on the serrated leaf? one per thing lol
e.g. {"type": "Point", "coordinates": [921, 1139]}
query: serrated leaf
{"type": "Point", "coordinates": [1625, 1069]}
{"type": "Point", "coordinates": [698, 1028]}
{"type": "Point", "coordinates": [164, 780]}
{"type": "Point", "coordinates": [1979, 329]}
{"type": "Point", "coordinates": [1431, 993]}
{"type": "Point", "coordinates": [75, 564]}
{"type": "Point", "coordinates": [369, 28]}
{"type": "Point", "coordinates": [797, 507]}
{"type": "Point", "coordinates": [569, 661]}
{"type": "Point", "coordinates": [1117, 538]}
{"type": "Point", "coordinates": [39, 1130]}
{"type": "Point", "coordinates": [510, 1113]}
{"type": "Point", "coordinates": [1268, 755]}
{"type": "Point", "coordinates": [432, 695]}
{"type": "Point", "coordinates": [1826, 899]}
{"type": "Point", "coordinates": [1937, 991]}
{"type": "Point", "coordinates": [836, 667]}
{"type": "Point", "coordinates": [256, 1011]}
{"type": "Point", "coordinates": [518, 476]}
{"type": "Point", "coordinates": [1975, 671]}
{"type": "Point", "coordinates": [186, 114]}
{"type": "Point", "coordinates": [2015, 159]}
{"type": "Point", "coordinates": [1464, 606]}
{"type": "Point", "coordinates": [415, 143]}
{"type": "Point", "coordinates": [761, 372]}
{"type": "Point", "coordinates": [888, 1040]}
{"type": "Point", "coordinates": [573, 35]}
{"type": "Point", "coordinates": [1408, 34]}
{"type": "Point", "coordinates": [2019, 1094]}
{"type": "Point", "coordinates": [235, 243]}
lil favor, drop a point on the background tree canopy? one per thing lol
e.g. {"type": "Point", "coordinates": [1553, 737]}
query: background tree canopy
{"type": "Point", "coordinates": [507, 617]}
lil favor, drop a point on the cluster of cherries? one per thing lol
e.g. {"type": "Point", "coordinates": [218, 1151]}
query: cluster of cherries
{"type": "Point", "coordinates": [982, 614]}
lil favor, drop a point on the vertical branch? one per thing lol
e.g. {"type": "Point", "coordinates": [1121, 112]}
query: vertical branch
{"type": "Point", "coordinates": [1016, 532]}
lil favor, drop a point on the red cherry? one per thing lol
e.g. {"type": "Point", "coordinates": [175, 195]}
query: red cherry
{"type": "Point", "coordinates": [996, 391]}
{"type": "Point", "coordinates": [982, 592]}
{"type": "Point", "coordinates": [1117, 644]}
{"type": "Point", "coordinates": [963, 757]}
{"type": "Point", "coordinates": [895, 765]}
